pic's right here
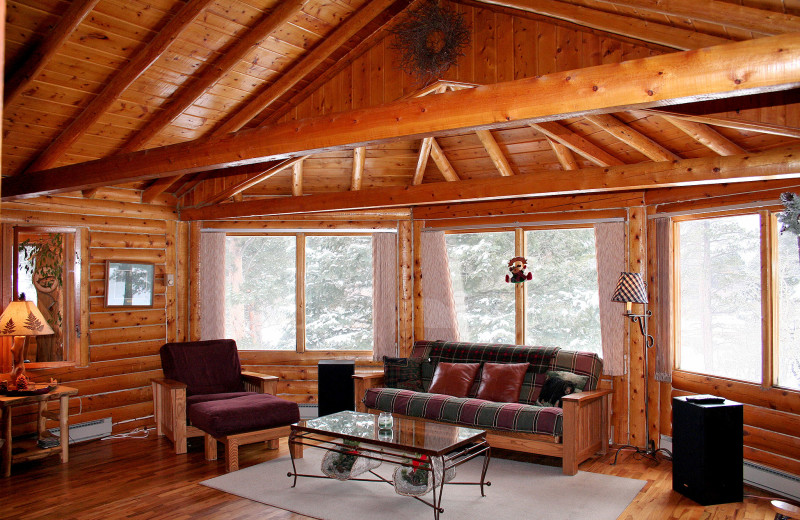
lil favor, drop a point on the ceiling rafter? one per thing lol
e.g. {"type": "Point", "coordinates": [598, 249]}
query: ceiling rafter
{"type": "Point", "coordinates": [736, 124]}
{"type": "Point", "coordinates": [563, 135]}
{"type": "Point", "coordinates": [44, 52]}
{"type": "Point", "coordinates": [253, 180]}
{"type": "Point", "coordinates": [359, 160]}
{"type": "Point", "coordinates": [668, 36]}
{"type": "Point", "coordinates": [442, 163]}
{"type": "Point", "coordinates": [495, 153]}
{"type": "Point", "coordinates": [564, 155]}
{"type": "Point", "coordinates": [749, 67]}
{"type": "Point", "coordinates": [706, 136]}
{"type": "Point", "coordinates": [636, 140]}
{"type": "Point", "coordinates": [123, 79]}
{"type": "Point", "coordinates": [422, 160]}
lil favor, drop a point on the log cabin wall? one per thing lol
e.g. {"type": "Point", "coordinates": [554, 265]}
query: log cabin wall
{"type": "Point", "coordinates": [123, 343]}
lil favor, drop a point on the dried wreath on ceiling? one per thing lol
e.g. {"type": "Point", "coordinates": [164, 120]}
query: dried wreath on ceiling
{"type": "Point", "coordinates": [430, 39]}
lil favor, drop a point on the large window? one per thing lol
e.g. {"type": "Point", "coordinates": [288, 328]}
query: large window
{"type": "Point", "coordinates": [723, 287]}
{"type": "Point", "coordinates": [262, 289]}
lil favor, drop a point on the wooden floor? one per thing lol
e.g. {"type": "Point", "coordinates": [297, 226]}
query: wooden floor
{"type": "Point", "coordinates": [143, 478]}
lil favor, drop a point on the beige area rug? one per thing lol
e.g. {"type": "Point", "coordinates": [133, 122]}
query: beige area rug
{"type": "Point", "coordinates": [519, 490]}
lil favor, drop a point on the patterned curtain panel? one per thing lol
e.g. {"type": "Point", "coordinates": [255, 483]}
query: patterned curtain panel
{"type": "Point", "coordinates": [384, 295]}
{"type": "Point", "coordinates": [212, 285]}
{"type": "Point", "coordinates": [438, 305]}
{"type": "Point", "coordinates": [663, 345]}
{"type": "Point", "coordinates": [610, 246]}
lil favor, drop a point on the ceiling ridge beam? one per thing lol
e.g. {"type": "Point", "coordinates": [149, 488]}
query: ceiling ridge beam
{"type": "Point", "coordinates": [781, 163]}
{"type": "Point", "coordinates": [672, 37]}
{"type": "Point", "coordinates": [721, 13]}
{"type": "Point", "coordinates": [17, 82]}
{"type": "Point", "coordinates": [123, 79]}
{"type": "Point", "coordinates": [560, 133]}
{"type": "Point", "coordinates": [706, 136]}
{"type": "Point", "coordinates": [495, 153]}
{"type": "Point", "coordinates": [736, 69]}
{"type": "Point", "coordinates": [633, 138]}
{"type": "Point", "coordinates": [304, 66]}
{"type": "Point", "coordinates": [564, 155]}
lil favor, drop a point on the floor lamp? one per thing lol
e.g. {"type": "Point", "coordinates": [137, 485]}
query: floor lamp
{"type": "Point", "coordinates": [631, 289]}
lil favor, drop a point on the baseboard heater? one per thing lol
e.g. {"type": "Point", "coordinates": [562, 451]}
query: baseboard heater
{"type": "Point", "coordinates": [308, 411]}
{"type": "Point", "coordinates": [762, 477]}
{"type": "Point", "coordinates": [87, 430]}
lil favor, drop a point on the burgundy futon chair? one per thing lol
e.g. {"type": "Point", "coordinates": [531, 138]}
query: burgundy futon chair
{"type": "Point", "coordinates": [206, 393]}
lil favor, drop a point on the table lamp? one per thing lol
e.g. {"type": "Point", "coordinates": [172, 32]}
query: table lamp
{"type": "Point", "coordinates": [22, 319]}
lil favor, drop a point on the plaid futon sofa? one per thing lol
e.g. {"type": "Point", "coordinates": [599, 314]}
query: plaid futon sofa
{"type": "Point", "coordinates": [538, 429]}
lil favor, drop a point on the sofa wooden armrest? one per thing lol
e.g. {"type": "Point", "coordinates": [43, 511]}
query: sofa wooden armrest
{"type": "Point", "coordinates": [261, 383]}
{"type": "Point", "coordinates": [363, 382]}
{"type": "Point", "coordinates": [585, 427]}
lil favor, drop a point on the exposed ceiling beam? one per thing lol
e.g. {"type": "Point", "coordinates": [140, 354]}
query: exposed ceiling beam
{"type": "Point", "coordinates": [19, 80]}
{"type": "Point", "coordinates": [561, 134]}
{"type": "Point", "coordinates": [717, 12]}
{"type": "Point", "coordinates": [636, 140]}
{"type": "Point", "coordinates": [157, 188]}
{"type": "Point", "coordinates": [774, 164]}
{"type": "Point", "coordinates": [441, 161]}
{"type": "Point", "coordinates": [564, 155]}
{"type": "Point", "coordinates": [297, 178]}
{"type": "Point", "coordinates": [736, 124]}
{"type": "Point", "coordinates": [495, 153]}
{"type": "Point", "coordinates": [753, 66]}
{"type": "Point", "coordinates": [422, 160]}
{"type": "Point", "coordinates": [359, 160]}
{"type": "Point", "coordinates": [706, 136]}
{"type": "Point", "coordinates": [252, 181]}
{"type": "Point", "coordinates": [305, 66]}
{"type": "Point", "coordinates": [632, 27]}
{"type": "Point", "coordinates": [123, 79]}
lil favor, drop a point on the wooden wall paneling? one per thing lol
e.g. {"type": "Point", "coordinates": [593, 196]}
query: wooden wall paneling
{"type": "Point", "coordinates": [504, 48]}
{"type": "Point", "coordinates": [637, 258]}
{"type": "Point", "coordinates": [466, 63]}
{"type": "Point", "coordinates": [405, 290]}
{"type": "Point", "coordinates": [485, 47]}
{"type": "Point", "coordinates": [568, 49]}
{"type": "Point", "coordinates": [525, 48]}
{"type": "Point", "coordinates": [547, 49]}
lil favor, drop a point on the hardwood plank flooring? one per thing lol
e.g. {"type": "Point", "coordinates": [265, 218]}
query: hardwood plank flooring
{"type": "Point", "coordinates": [144, 479]}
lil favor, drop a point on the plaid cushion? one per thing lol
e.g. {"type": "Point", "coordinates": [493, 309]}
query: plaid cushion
{"type": "Point", "coordinates": [402, 373]}
{"type": "Point", "coordinates": [581, 363]}
{"type": "Point", "coordinates": [540, 359]}
{"type": "Point", "coordinates": [465, 411]}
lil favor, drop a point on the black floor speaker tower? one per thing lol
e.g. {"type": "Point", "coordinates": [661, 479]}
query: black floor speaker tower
{"type": "Point", "coordinates": [707, 449]}
{"type": "Point", "coordinates": [335, 386]}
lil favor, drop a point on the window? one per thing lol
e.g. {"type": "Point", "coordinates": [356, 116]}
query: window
{"type": "Point", "coordinates": [262, 291]}
{"type": "Point", "coordinates": [563, 305]}
{"type": "Point", "coordinates": [788, 370]}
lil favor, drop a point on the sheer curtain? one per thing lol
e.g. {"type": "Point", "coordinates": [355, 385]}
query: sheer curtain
{"type": "Point", "coordinates": [438, 306]}
{"type": "Point", "coordinates": [384, 295]}
{"type": "Point", "coordinates": [664, 355]}
{"type": "Point", "coordinates": [610, 249]}
{"type": "Point", "coordinates": [212, 285]}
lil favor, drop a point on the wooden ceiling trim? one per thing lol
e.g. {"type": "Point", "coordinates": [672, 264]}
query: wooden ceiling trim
{"type": "Point", "coordinates": [255, 179]}
{"type": "Point", "coordinates": [359, 160]}
{"type": "Point", "coordinates": [774, 164]}
{"type": "Point", "coordinates": [422, 160]}
{"type": "Point", "coordinates": [736, 124]}
{"type": "Point", "coordinates": [717, 12]}
{"type": "Point", "coordinates": [636, 140]}
{"type": "Point", "coordinates": [495, 153]}
{"type": "Point", "coordinates": [561, 134]}
{"type": "Point", "coordinates": [47, 49]}
{"type": "Point", "coordinates": [706, 136]}
{"type": "Point", "coordinates": [121, 81]}
{"type": "Point", "coordinates": [226, 62]}
{"type": "Point", "coordinates": [297, 178]}
{"type": "Point", "coordinates": [673, 37]}
{"type": "Point", "coordinates": [563, 154]}
{"type": "Point", "coordinates": [743, 68]}
{"type": "Point", "coordinates": [305, 66]}
{"type": "Point", "coordinates": [442, 163]}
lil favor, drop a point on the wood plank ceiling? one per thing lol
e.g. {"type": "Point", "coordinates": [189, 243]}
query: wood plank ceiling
{"type": "Point", "coordinates": [90, 80]}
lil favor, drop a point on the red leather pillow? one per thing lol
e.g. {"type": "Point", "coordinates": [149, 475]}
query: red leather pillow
{"type": "Point", "coordinates": [453, 378]}
{"type": "Point", "coordinates": [501, 382]}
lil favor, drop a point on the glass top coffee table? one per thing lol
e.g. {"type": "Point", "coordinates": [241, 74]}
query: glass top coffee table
{"type": "Point", "coordinates": [424, 454]}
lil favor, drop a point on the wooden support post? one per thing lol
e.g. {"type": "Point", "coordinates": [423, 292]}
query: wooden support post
{"type": "Point", "coordinates": [406, 306]}
{"type": "Point", "coordinates": [637, 220]}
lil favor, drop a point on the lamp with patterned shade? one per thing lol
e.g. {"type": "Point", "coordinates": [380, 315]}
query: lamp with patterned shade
{"type": "Point", "coordinates": [22, 319]}
{"type": "Point", "coordinates": [632, 289]}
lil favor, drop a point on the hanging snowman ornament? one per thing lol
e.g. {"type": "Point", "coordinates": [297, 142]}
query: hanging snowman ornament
{"type": "Point", "coordinates": [516, 267]}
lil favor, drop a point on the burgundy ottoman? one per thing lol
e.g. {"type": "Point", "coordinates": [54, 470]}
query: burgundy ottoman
{"type": "Point", "coordinates": [242, 420]}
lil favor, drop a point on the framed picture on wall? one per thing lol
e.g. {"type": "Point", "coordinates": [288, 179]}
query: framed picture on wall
{"type": "Point", "coordinates": [129, 284]}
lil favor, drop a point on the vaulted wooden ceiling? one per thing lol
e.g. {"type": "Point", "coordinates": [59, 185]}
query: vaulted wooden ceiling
{"type": "Point", "coordinates": [91, 83]}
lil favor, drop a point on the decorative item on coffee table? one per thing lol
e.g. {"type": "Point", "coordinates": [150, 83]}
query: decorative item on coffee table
{"type": "Point", "coordinates": [415, 480]}
{"type": "Point", "coordinates": [347, 464]}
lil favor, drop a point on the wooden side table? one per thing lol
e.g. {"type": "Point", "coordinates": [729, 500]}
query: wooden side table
{"type": "Point", "coordinates": [32, 450]}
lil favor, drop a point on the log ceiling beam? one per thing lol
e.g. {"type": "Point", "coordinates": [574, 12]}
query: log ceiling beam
{"type": "Point", "coordinates": [422, 160]}
{"type": "Point", "coordinates": [359, 160]}
{"type": "Point", "coordinates": [742, 68]}
{"type": "Point", "coordinates": [636, 140]}
{"type": "Point", "coordinates": [297, 179]}
{"type": "Point", "coordinates": [564, 155]}
{"type": "Point", "coordinates": [780, 163]}
{"type": "Point", "coordinates": [563, 135]}
{"type": "Point", "coordinates": [252, 180]}
{"type": "Point", "coordinates": [673, 37]}
{"type": "Point", "coordinates": [736, 124]}
{"type": "Point", "coordinates": [44, 52]}
{"type": "Point", "coordinates": [706, 136]}
{"type": "Point", "coordinates": [123, 79]}
{"type": "Point", "coordinates": [717, 12]}
{"type": "Point", "coordinates": [305, 66]}
{"type": "Point", "coordinates": [495, 153]}
{"type": "Point", "coordinates": [157, 188]}
{"type": "Point", "coordinates": [441, 161]}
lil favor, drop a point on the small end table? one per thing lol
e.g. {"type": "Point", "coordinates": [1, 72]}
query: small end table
{"type": "Point", "coordinates": [32, 451]}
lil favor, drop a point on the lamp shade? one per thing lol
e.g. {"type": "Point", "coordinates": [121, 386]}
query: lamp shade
{"type": "Point", "coordinates": [630, 288]}
{"type": "Point", "coordinates": [23, 318]}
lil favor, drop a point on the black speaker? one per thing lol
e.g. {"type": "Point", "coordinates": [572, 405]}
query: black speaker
{"type": "Point", "coordinates": [707, 449]}
{"type": "Point", "coordinates": [335, 386]}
